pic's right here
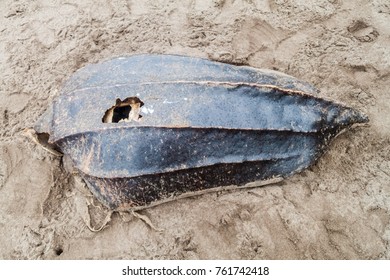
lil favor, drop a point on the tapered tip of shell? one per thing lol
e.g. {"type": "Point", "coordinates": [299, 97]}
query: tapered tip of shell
{"type": "Point", "coordinates": [361, 118]}
{"type": "Point", "coordinates": [351, 116]}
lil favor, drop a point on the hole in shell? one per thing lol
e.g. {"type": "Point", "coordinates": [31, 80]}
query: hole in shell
{"type": "Point", "coordinates": [124, 111]}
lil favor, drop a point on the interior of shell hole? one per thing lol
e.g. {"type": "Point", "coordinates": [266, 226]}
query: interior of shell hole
{"type": "Point", "coordinates": [126, 110]}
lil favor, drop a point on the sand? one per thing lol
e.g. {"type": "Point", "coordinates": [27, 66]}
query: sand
{"type": "Point", "coordinates": [337, 209]}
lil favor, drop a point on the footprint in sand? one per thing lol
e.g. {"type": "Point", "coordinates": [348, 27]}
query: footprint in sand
{"type": "Point", "coordinates": [363, 31]}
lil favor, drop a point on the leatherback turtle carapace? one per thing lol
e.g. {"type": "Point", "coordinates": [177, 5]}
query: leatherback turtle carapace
{"type": "Point", "coordinates": [145, 129]}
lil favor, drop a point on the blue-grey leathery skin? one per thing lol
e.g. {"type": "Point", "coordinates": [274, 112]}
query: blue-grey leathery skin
{"type": "Point", "coordinates": [204, 124]}
{"type": "Point", "coordinates": [154, 68]}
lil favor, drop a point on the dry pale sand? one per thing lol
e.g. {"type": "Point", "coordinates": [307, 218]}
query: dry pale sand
{"type": "Point", "coordinates": [338, 209]}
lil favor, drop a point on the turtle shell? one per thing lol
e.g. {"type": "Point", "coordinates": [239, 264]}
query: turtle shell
{"type": "Point", "coordinates": [145, 129]}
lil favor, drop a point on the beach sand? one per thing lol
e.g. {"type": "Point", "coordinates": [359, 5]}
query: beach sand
{"type": "Point", "coordinates": [337, 209]}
